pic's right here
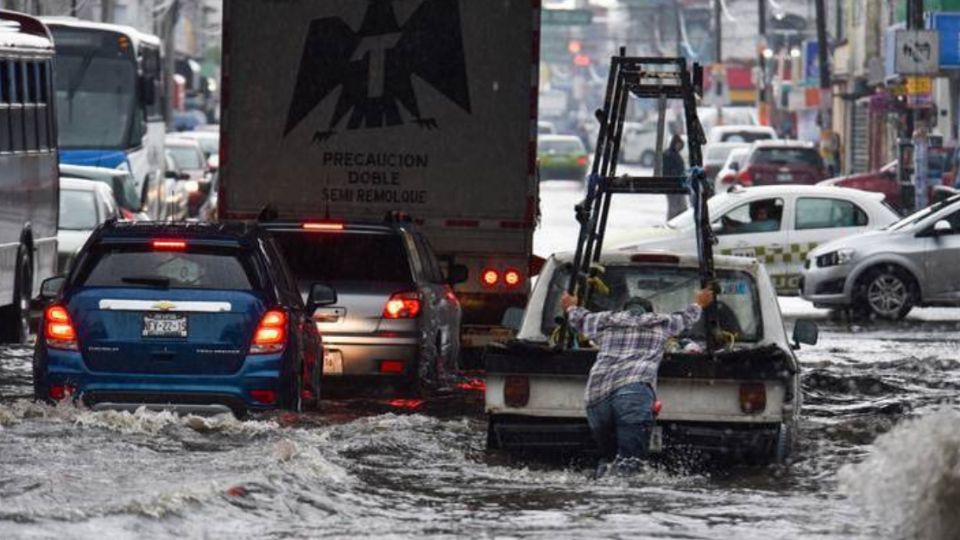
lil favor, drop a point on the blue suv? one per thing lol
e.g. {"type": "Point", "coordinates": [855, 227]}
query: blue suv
{"type": "Point", "coordinates": [196, 318]}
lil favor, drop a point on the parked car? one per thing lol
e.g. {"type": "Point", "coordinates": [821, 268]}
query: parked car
{"type": "Point", "coordinates": [562, 157]}
{"type": "Point", "coordinates": [188, 158]}
{"type": "Point", "coordinates": [715, 156]}
{"type": "Point", "coordinates": [121, 183]}
{"type": "Point", "coordinates": [84, 206]}
{"type": "Point", "coordinates": [193, 318]}
{"type": "Point", "coordinates": [782, 162]}
{"type": "Point", "coordinates": [887, 273]}
{"type": "Point", "coordinates": [777, 225]}
{"type": "Point", "coordinates": [742, 404]}
{"type": "Point", "coordinates": [740, 133]}
{"type": "Point", "coordinates": [209, 141]}
{"type": "Point", "coordinates": [727, 175]}
{"type": "Point", "coordinates": [396, 322]}
{"type": "Point", "coordinates": [885, 181]}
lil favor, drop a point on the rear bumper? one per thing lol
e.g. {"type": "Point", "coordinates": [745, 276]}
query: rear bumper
{"type": "Point", "coordinates": [130, 390]}
{"type": "Point", "coordinates": [362, 356]}
{"type": "Point", "coordinates": [530, 434]}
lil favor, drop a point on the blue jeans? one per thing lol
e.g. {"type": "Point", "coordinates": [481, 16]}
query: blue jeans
{"type": "Point", "coordinates": [621, 422]}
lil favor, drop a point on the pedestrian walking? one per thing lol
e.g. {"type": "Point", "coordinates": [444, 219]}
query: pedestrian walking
{"type": "Point", "coordinates": [673, 166]}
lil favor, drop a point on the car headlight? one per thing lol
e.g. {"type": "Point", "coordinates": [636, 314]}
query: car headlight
{"type": "Point", "coordinates": [192, 186]}
{"type": "Point", "coordinates": [835, 258]}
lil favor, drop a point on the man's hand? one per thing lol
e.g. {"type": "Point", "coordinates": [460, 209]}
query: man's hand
{"type": "Point", "coordinates": [568, 301]}
{"type": "Point", "coordinates": [704, 297]}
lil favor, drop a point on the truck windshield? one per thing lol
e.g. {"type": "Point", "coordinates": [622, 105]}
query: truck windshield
{"type": "Point", "coordinates": [669, 289]}
{"type": "Point", "coordinates": [96, 89]}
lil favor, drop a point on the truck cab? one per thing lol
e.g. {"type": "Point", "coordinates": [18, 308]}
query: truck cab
{"type": "Point", "coordinates": [743, 403]}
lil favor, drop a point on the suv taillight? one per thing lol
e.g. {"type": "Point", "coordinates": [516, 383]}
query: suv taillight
{"type": "Point", "coordinates": [271, 334]}
{"type": "Point", "coordinates": [58, 329]}
{"type": "Point", "coordinates": [745, 177]}
{"type": "Point", "coordinates": [402, 305]}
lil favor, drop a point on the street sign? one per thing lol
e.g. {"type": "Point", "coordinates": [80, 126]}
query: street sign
{"type": "Point", "coordinates": [917, 52]}
{"type": "Point", "coordinates": [948, 25]}
{"type": "Point", "coordinates": [566, 17]}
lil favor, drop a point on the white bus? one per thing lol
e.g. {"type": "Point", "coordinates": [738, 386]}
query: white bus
{"type": "Point", "coordinates": [109, 88]}
{"type": "Point", "coordinates": [28, 169]}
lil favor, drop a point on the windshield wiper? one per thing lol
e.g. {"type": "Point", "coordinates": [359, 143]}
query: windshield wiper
{"type": "Point", "coordinates": [147, 280]}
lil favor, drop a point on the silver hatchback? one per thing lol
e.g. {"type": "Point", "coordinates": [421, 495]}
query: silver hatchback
{"type": "Point", "coordinates": [396, 321]}
{"type": "Point", "coordinates": [886, 273]}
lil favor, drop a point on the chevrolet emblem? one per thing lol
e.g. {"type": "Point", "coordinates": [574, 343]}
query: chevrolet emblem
{"type": "Point", "coordinates": [164, 306]}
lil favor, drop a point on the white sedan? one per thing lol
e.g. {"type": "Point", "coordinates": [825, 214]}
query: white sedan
{"type": "Point", "coordinates": [778, 225]}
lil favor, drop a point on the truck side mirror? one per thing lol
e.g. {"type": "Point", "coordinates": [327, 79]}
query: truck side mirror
{"type": "Point", "coordinates": [512, 318]}
{"type": "Point", "coordinates": [321, 294]}
{"type": "Point", "coordinates": [805, 331]}
{"type": "Point", "coordinates": [51, 287]}
{"type": "Point", "coordinates": [457, 273]}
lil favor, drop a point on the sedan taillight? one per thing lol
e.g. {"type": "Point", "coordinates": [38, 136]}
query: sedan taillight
{"type": "Point", "coordinates": [402, 305]}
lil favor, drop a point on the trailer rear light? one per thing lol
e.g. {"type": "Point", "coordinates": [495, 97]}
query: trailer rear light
{"type": "Point", "coordinates": [59, 391]}
{"type": "Point", "coordinates": [655, 258]}
{"type": "Point", "coordinates": [753, 398]}
{"type": "Point", "coordinates": [402, 305]}
{"type": "Point", "coordinates": [582, 161]}
{"type": "Point", "coordinates": [58, 329]}
{"type": "Point", "coordinates": [322, 226]}
{"type": "Point", "coordinates": [512, 277]}
{"type": "Point", "coordinates": [392, 367]}
{"type": "Point", "coordinates": [516, 391]}
{"type": "Point", "coordinates": [169, 245]}
{"type": "Point", "coordinates": [489, 277]}
{"type": "Point", "coordinates": [266, 397]}
{"type": "Point", "coordinates": [271, 334]}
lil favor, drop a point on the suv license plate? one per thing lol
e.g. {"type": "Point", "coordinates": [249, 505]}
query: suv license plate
{"type": "Point", "coordinates": [165, 325]}
{"type": "Point", "coordinates": [784, 177]}
{"type": "Point", "coordinates": [332, 363]}
{"type": "Point", "coordinates": [656, 440]}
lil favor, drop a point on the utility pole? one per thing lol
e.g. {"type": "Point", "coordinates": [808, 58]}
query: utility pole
{"type": "Point", "coordinates": [107, 10]}
{"type": "Point", "coordinates": [916, 129]}
{"type": "Point", "coordinates": [167, 25]}
{"type": "Point", "coordinates": [761, 61]}
{"type": "Point", "coordinates": [828, 147]}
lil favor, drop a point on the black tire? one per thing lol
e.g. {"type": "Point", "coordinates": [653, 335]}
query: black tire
{"type": "Point", "coordinates": [648, 158]}
{"type": "Point", "coordinates": [886, 292]}
{"type": "Point", "coordinates": [291, 384]}
{"type": "Point", "coordinates": [15, 318]}
{"type": "Point", "coordinates": [493, 443]}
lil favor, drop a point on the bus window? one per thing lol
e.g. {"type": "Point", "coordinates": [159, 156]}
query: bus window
{"type": "Point", "coordinates": [4, 106]}
{"type": "Point", "coordinates": [16, 110]}
{"type": "Point", "coordinates": [30, 106]}
{"type": "Point", "coordinates": [151, 72]}
{"type": "Point", "coordinates": [44, 113]}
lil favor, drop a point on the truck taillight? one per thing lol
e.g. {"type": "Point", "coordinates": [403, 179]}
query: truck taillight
{"type": "Point", "coordinates": [402, 305]}
{"type": "Point", "coordinates": [58, 329]}
{"type": "Point", "coordinates": [753, 398]}
{"type": "Point", "coordinates": [271, 334]}
{"type": "Point", "coordinates": [489, 277]}
{"type": "Point", "coordinates": [516, 391]}
{"type": "Point", "coordinates": [512, 277]}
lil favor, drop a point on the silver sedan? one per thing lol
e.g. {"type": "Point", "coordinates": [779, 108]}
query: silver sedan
{"type": "Point", "coordinates": [886, 273]}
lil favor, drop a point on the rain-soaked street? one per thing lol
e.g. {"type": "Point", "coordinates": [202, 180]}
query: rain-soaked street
{"type": "Point", "coordinates": [877, 457]}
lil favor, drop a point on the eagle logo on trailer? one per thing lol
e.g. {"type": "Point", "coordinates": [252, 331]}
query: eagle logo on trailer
{"type": "Point", "coordinates": [375, 65]}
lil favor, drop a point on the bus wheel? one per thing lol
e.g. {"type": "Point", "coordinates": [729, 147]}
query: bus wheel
{"type": "Point", "coordinates": [15, 318]}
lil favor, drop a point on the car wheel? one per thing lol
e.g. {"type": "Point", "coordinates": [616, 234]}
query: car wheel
{"type": "Point", "coordinates": [15, 318]}
{"type": "Point", "coordinates": [647, 158]}
{"type": "Point", "coordinates": [887, 293]}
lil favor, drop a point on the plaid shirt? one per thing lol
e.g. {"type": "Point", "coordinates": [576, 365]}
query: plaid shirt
{"type": "Point", "coordinates": [631, 346]}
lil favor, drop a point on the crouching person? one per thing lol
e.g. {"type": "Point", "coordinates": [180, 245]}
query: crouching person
{"type": "Point", "coordinates": [621, 387]}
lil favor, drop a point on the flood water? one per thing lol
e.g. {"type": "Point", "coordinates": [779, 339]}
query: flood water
{"type": "Point", "coordinates": [879, 457]}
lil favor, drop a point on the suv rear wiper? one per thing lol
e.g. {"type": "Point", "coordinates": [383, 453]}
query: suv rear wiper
{"type": "Point", "coordinates": [146, 280]}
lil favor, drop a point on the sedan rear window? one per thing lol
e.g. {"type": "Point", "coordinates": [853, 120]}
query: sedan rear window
{"type": "Point", "coordinates": [78, 210]}
{"type": "Point", "coordinates": [142, 268]}
{"type": "Point", "coordinates": [785, 156]}
{"type": "Point", "coordinates": [571, 146]}
{"type": "Point", "coordinates": [345, 256]}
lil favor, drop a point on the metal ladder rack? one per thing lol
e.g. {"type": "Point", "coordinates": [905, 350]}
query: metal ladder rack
{"type": "Point", "coordinates": [651, 78]}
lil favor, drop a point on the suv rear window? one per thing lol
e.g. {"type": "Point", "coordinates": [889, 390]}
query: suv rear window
{"type": "Point", "coordinates": [786, 156]}
{"type": "Point", "coordinates": [345, 256]}
{"type": "Point", "coordinates": [140, 267]}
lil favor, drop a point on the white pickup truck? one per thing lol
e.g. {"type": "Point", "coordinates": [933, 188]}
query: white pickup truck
{"type": "Point", "coordinates": [742, 404]}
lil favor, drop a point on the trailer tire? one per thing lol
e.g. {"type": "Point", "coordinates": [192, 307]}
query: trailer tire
{"type": "Point", "coordinates": [493, 443]}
